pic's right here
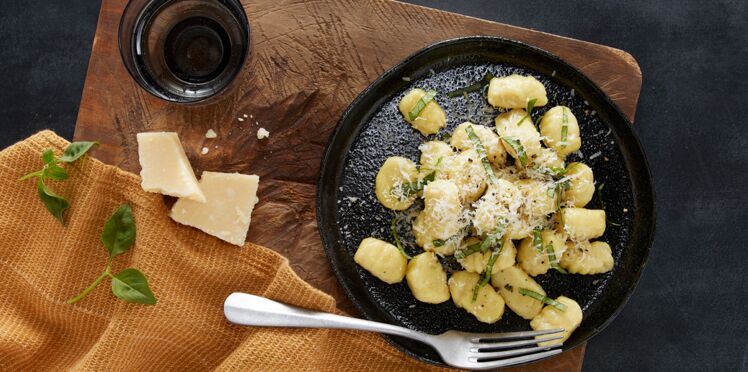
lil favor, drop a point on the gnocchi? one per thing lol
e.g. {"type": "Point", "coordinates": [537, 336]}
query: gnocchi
{"type": "Point", "coordinates": [553, 318]}
{"type": "Point", "coordinates": [427, 279]}
{"type": "Point", "coordinates": [488, 306]}
{"type": "Point", "coordinates": [483, 189]}
{"type": "Point", "coordinates": [429, 120]}
{"type": "Point", "coordinates": [514, 91]}
{"type": "Point", "coordinates": [392, 182]}
{"type": "Point", "coordinates": [382, 260]}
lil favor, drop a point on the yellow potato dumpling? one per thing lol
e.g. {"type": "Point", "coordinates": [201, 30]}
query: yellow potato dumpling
{"type": "Point", "coordinates": [467, 172]}
{"type": "Point", "coordinates": [500, 201]}
{"type": "Point", "coordinates": [392, 178]}
{"type": "Point", "coordinates": [514, 91]}
{"type": "Point", "coordinates": [581, 185]}
{"type": "Point", "coordinates": [434, 156]}
{"type": "Point", "coordinates": [427, 279]}
{"type": "Point", "coordinates": [551, 127]}
{"type": "Point", "coordinates": [508, 281]}
{"type": "Point", "coordinates": [440, 218]}
{"type": "Point", "coordinates": [432, 117]}
{"type": "Point", "coordinates": [476, 262]}
{"type": "Point", "coordinates": [382, 260]}
{"type": "Point", "coordinates": [587, 258]}
{"type": "Point", "coordinates": [525, 133]}
{"type": "Point", "coordinates": [582, 224]}
{"type": "Point", "coordinates": [553, 318]}
{"type": "Point", "coordinates": [489, 139]}
{"type": "Point", "coordinates": [488, 306]}
{"type": "Point", "coordinates": [536, 262]}
{"type": "Point", "coordinates": [538, 202]}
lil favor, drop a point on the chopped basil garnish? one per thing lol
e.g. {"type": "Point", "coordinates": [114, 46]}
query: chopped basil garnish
{"type": "Point", "coordinates": [537, 240]}
{"type": "Point", "coordinates": [600, 196]}
{"type": "Point", "coordinates": [396, 238]}
{"type": "Point", "coordinates": [407, 189]}
{"type": "Point", "coordinates": [564, 127]}
{"type": "Point", "coordinates": [486, 276]}
{"type": "Point", "coordinates": [518, 149]}
{"type": "Point", "coordinates": [482, 153]}
{"type": "Point", "coordinates": [425, 99]}
{"type": "Point", "coordinates": [530, 107]}
{"type": "Point", "coordinates": [544, 299]}
{"type": "Point", "coordinates": [488, 242]}
{"type": "Point", "coordinates": [438, 242]}
{"type": "Point", "coordinates": [473, 87]}
{"type": "Point", "coordinates": [552, 257]}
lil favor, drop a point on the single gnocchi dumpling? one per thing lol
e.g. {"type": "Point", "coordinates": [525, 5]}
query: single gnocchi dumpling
{"type": "Point", "coordinates": [508, 281]}
{"type": "Point", "coordinates": [515, 91]}
{"type": "Point", "coordinates": [518, 136]}
{"type": "Point", "coordinates": [476, 262]}
{"type": "Point", "coordinates": [488, 306]}
{"type": "Point", "coordinates": [563, 141]}
{"type": "Point", "coordinates": [392, 183]}
{"type": "Point", "coordinates": [489, 139]}
{"type": "Point", "coordinates": [538, 200]}
{"type": "Point", "coordinates": [440, 218]}
{"type": "Point", "coordinates": [382, 260]}
{"type": "Point", "coordinates": [434, 156]}
{"type": "Point", "coordinates": [582, 224]}
{"type": "Point", "coordinates": [499, 204]}
{"type": "Point", "coordinates": [427, 279]}
{"type": "Point", "coordinates": [431, 118]}
{"type": "Point", "coordinates": [581, 185]}
{"type": "Point", "coordinates": [587, 258]}
{"type": "Point", "coordinates": [533, 255]}
{"type": "Point", "coordinates": [466, 171]}
{"type": "Point", "coordinates": [553, 318]}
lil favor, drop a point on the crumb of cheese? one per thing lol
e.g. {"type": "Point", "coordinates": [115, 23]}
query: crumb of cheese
{"type": "Point", "coordinates": [204, 151]}
{"type": "Point", "coordinates": [262, 133]}
{"type": "Point", "coordinates": [210, 134]}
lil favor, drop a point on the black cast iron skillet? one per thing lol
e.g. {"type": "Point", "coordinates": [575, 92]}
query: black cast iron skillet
{"type": "Point", "coordinates": [372, 129]}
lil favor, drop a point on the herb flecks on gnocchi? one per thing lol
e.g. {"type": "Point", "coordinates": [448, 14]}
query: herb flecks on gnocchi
{"type": "Point", "coordinates": [485, 189]}
{"type": "Point", "coordinates": [422, 112]}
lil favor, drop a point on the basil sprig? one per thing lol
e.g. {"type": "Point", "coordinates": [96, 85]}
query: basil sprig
{"type": "Point", "coordinates": [482, 153]}
{"type": "Point", "coordinates": [473, 87]}
{"type": "Point", "coordinates": [544, 299]}
{"type": "Point", "coordinates": [56, 204]}
{"type": "Point", "coordinates": [516, 145]}
{"type": "Point", "coordinates": [530, 107]}
{"type": "Point", "coordinates": [129, 284]}
{"type": "Point", "coordinates": [421, 104]}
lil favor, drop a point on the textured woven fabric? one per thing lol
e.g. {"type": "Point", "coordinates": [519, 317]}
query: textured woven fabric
{"type": "Point", "coordinates": [43, 263]}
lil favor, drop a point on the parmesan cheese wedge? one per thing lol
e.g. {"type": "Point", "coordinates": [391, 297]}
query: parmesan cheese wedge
{"type": "Point", "coordinates": [227, 212]}
{"type": "Point", "coordinates": [165, 168]}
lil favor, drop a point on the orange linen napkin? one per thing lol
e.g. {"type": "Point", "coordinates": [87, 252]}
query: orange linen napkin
{"type": "Point", "coordinates": [43, 263]}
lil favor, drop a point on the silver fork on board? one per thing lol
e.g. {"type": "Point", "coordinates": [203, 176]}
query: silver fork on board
{"type": "Point", "coordinates": [458, 349]}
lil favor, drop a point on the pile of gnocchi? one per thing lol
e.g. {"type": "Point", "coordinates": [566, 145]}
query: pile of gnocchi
{"type": "Point", "coordinates": [501, 200]}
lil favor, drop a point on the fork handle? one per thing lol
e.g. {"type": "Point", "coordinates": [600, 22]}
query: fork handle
{"type": "Point", "coordinates": [251, 310]}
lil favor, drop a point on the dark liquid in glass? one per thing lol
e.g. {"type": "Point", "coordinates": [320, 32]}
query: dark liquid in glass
{"type": "Point", "coordinates": [187, 50]}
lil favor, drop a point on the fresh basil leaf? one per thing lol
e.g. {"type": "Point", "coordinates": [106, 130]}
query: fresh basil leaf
{"type": "Point", "coordinates": [119, 231]}
{"type": "Point", "coordinates": [438, 242]}
{"type": "Point", "coordinates": [398, 244]}
{"type": "Point", "coordinates": [75, 150]}
{"type": "Point", "coordinates": [516, 145]}
{"type": "Point", "coordinates": [481, 153]}
{"type": "Point", "coordinates": [564, 127]}
{"type": "Point", "coordinates": [530, 107]}
{"type": "Point", "coordinates": [48, 156]}
{"type": "Point", "coordinates": [132, 286]}
{"type": "Point", "coordinates": [473, 87]}
{"type": "Point", "coordinates": [54, 203]}
{"type": "Point", "coordinates": [486, 276]}
{"type": "Point", "coordinates": [421, 104]}
{"type": "Point", "coordinates": [537, 240]}
{"type": "Point", "coordinates": [55, 172]}
{"type": "Point", "coordinates": [544, 299]}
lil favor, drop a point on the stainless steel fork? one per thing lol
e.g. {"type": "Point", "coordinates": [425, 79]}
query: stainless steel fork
{"type": "Point", "coordinates": [459, 349]}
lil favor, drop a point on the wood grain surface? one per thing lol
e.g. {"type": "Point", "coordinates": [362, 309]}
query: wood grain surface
{"type": "Point", "coordinates": [308, 60]}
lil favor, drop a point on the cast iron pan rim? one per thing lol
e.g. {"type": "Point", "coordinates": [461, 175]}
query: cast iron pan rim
{"type": "Point", "coordinates": [646, 177]}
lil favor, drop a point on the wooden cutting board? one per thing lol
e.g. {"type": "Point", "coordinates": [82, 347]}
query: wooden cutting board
{"type": "Point", "coordinates": [308, 60]}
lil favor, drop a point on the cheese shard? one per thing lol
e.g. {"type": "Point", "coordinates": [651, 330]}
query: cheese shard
{"type": "Point", "coordinates": [228, 210]}
{"type": "Point", "coordinates": [165, 168]}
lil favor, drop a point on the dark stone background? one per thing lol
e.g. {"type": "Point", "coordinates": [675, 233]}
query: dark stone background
{"type": "Point", "coordinates": [689, 310]}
